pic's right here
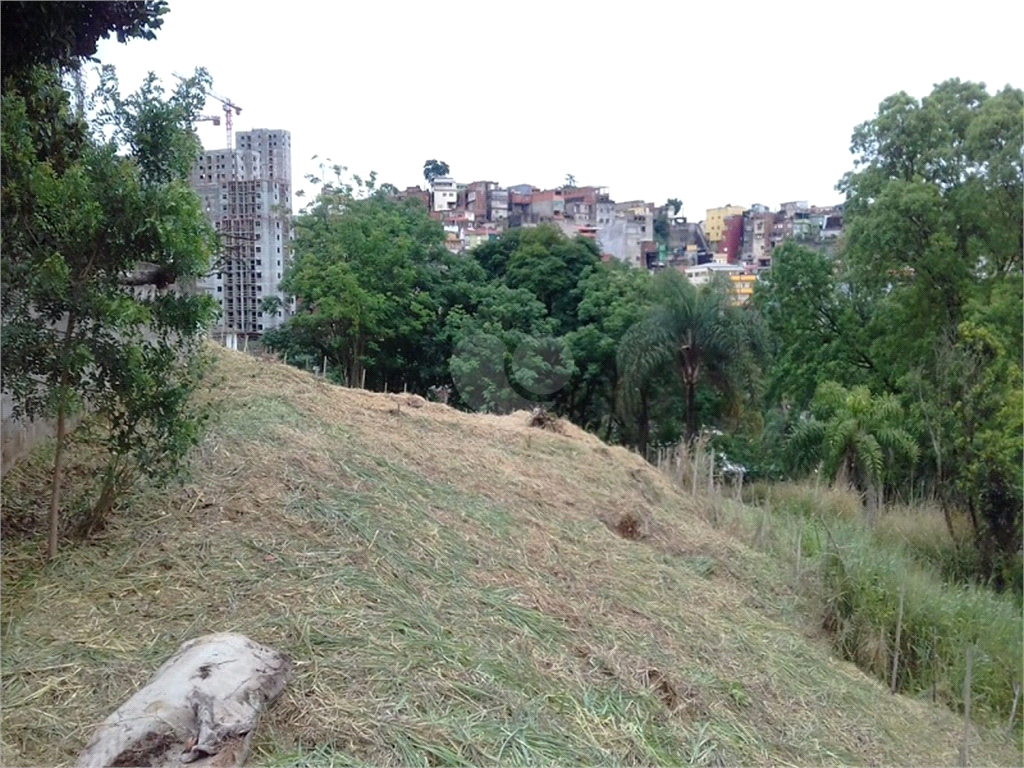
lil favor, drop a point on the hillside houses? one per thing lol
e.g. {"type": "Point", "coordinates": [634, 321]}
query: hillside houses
{"type": "Point", "coordinates": [735, 240]}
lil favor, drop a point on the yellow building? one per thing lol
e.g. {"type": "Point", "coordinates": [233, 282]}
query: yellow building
{"type": "Point", "coordinates": [742, 287]}
{"type": "Point", "coordinates": [742, 284]}
{"type": "Point", "coordinates": [714, 221]}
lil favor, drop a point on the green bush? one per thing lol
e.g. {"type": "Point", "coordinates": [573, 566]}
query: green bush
{"type": "Point", "coordinates": [860, 572]}
{"type": "Point", "coordinates": [861, 583]}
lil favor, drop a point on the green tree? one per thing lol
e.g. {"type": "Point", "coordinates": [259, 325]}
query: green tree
{"type": "Point", "coordinates": [545, 262]}
{"type": "Point", "coordinates": [855, 435]}
{"type": "Point", "coordinates": [969, 404]}
{"type": "Point", "coordinates": [86, 219]}
{"type": "Point", "coordinates": [433, 169]}
{"type": "Point", "coordinates": [675, 204]}
{"type": "Point", "coordinates": [613, 298]}
{"type": "Point", "coordinates": [499, 363]}
{"type": "Point", "coordinates": [363, 273]}
{"type": "Point", "coordinates": [570, 181]}
{"type": "Point", "coordinates": [694, 331]}
{"type": "Point", "coordinates": [934, 237]}
{"type": "Point", "coordinates": [933, 216]}
{"type": "Point", "coordinates": [816, 321]}
{"type": "Point", "coordinates": [662, 230]}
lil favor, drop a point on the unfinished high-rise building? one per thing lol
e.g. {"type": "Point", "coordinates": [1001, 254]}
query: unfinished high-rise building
{"type": "Point", "coordinates": [246, 192]}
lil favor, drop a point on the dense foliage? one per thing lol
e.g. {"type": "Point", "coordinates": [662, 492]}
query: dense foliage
{"type": "Point", "coordinates": [892, 364]}
{"type": "Point", "coordinates": [88, 202]}
{"type": "Point", "coordinates": [922, 308]}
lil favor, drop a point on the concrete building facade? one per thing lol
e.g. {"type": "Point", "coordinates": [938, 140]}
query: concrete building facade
{"type": "Point", "coordinates": [445, 192]}
{"type": "Point", "coordinates": [246, 193]}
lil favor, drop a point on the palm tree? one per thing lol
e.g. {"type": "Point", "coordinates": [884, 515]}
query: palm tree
{"type": "Point", "coordinates": [852, 433]}
{"type": "Point", "coordinates": [692, 329]}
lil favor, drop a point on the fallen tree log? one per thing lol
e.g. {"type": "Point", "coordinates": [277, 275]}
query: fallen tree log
{"type": "Point", "coordinates": [201, 707]}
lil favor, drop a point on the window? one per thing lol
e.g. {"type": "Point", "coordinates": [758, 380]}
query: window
{"type": "Point", "coordinates": [258, 249]}
{"type": "Point", "coordinates": [279, 262]}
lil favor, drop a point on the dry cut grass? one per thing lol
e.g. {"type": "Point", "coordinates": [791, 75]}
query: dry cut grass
{"type": "Point", "coordinates": [453, 589]}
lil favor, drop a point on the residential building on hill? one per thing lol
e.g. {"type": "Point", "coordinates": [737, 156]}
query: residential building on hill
{"type": "Point", "coordinates": [444, 193]}
{"type": "Point", "coordinates": [415, 193]}
{"type": "Point", "coordinates": [714, 222]}
{"type": "Point", "coordinates": [741, 279]}
{"type": "Point", "coordinates": [478, 199]}
{"type": "Point", "coordinates": [497, 205]}
{"type": "Point", "coordinates": [624, 236]}
{"type": "Point", "coordinates": [546, 206]}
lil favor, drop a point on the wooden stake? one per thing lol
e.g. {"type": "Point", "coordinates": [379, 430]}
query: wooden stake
{"type": "Point", "coordinates": [1013, 709]}
{"type": "Point", "coordinates": [964, 757]}
{"type": "Point", "coordinates": [899, 631]}
{"type": "Point", "coordinates": [696, 468]}
{"type": "Point", "coordinates": [799, 553]}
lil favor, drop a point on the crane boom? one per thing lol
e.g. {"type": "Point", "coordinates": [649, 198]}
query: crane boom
{"type": "Point", "coordinates": [227, 104]}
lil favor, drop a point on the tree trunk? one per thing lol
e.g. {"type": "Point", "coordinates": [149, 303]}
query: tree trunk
{"type": "Point", "coordinates": [58, 475]}
{"type": "Point", "coordinates": [691, 411]}
{"type": "Point", "coordinates": [58, 459]}
{"type": "Point", "coordinates": [643, 425]}
{"type": "Point", "coordinates": [608, 429]}
{"type": "Point", "coordinates": [201, 707]}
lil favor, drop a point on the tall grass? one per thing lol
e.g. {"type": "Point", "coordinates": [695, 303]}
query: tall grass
{"type": "Point", "coordinates": [854, 574]}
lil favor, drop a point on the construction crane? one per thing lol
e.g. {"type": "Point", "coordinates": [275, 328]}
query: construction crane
{"type": "Point", "coordinates": [228, 105]}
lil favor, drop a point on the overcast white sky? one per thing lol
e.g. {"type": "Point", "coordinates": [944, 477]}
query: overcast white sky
{"type": "Point", "coordinates": [712, 103]}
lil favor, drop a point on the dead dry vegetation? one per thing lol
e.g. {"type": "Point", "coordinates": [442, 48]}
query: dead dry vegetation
{"type": "Point", "coordinates": [452, 589]}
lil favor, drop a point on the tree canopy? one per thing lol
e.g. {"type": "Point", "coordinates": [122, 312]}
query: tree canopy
{"type": "Point", "coordinates": [64, 33]}
{"type": "Point", "coordinates": [433, 169]}
{"type": "Point", "coordinates": [694, 331]}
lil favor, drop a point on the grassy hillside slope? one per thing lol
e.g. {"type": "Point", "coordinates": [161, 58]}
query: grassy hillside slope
{"type": "Point", "coordinates": [454, 589]}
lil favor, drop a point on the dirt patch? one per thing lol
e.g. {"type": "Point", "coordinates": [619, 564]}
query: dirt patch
{"type": "Point", "coordinates": [633, 524]}
{"type": "Point", "coordinates": [678, 696]}
{"type": "Point", "coordinates": [541, 418]}
{"type": "Point", "coordinates": [662, 687]}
